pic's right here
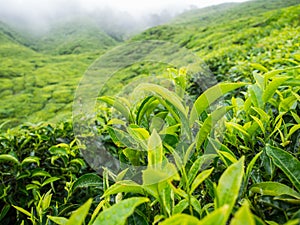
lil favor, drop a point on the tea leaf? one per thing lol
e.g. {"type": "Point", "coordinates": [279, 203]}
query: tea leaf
{"type": "Point", "coordinates": [58, 220]}
{"type": "Point", "coordinates": [229, 185]}
{"type": "Point", "coordinates": [250, 166]}
{"type": "Point", "coordinates": [124, 186]}
{"type": "Point", "coordinates": [272, 87]}
{"type": "Point", "coordinates": [200, 178]}
{"type": "Point", "coordinates": [117, 104]}
{"type": "Point", "coordinates": [274, 189]}
{"type": "Point", "coordinates": [198, 164]}
{"type": "Point", "coordinates": [287, 163]}
{"type": "Point", "coordinates": [259, 67]}
{"type": "Point", "coordinates": [9, 158]}
{"type": "Point", "coordinates": [87, 180]}
{"type": "Point", "coordinates": [182, 205]}
{"type": "Point", "coordinates": [23, 211]}
{"type": "Point", "coordinates": [78, 216]}
{"type": "Point", "coordinates": [210, 96]}
{"type": "Point", "coordinates": [155, 150]}
{"type": "Point", "coordinates": [208, 124]}
{"type": "Point", "coordinates": [180, 219]}
{"type": "Point", "coordinates": [219, 216]}
{"type": "Point", "coordinates": [118, 213]}
{"type": "Point", "coordinates": [31, 159]}
{"type": "Point", "coordinates": [243, 216]}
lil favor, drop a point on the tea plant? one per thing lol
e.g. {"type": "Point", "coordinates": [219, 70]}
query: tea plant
{"type": "Point", "coordinates": [221, 187]}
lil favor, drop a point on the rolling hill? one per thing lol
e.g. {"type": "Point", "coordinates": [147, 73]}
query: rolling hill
{"type": "Point", "coordinates": [39, 73]}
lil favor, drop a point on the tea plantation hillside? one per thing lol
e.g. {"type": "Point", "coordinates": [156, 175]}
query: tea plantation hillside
{"type": "Point", "coordinates": [39, 74]}
{"type": "Point", "coordinates": [230, 36]}
{"type": "Point", "coordinates": [173, 153]}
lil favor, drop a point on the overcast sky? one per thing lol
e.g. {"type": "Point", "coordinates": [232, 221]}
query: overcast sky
{"type": "Point", "coordinates": [133, 6]}
{"type": "Point", "coordinates": [123, 14]}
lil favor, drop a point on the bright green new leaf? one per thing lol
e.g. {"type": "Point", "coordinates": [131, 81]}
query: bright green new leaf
{"type": "Point", "coordinates": [31, 159]}
{"type": "Point", "coordinates": [293, 222]}
{"type": "Point", "coordinates": [146, 107]}
{"type": "Point", "coordinates": [209, 97]}
{"type": "Point", "coordinates": [96, 211]}
{"type": "Point", "coordinates": [154, 176]}
{"type": "Point", "coordinates": [165, 94]}
{"type": "Point", "coordinates": [58, 220]}
{"type": "Point", "coordinates": [259, 67]}
{"type": "Point", "coordinates": [9, 158]}
{"type": "Point", "coordinates": [155, 150]}
{"type": "Point", "coordinates": [208, 125]}
{"type": "Point", "coordinates": [272, 87]}
{"type": "Point", "coordinates": [181, 219]}
{"type": "Point", "coordinates": [78, 216]}
{"type": "Point", "coordinates": [204, 159]}
{"type": "Point", "coordinates": [287, 163]}
{"type": "Point", "coordinates": [50, 180]}
{"type": "Point", "coordinates": [40, 173]}
{"type": "Point", "coordinates": [226, 157]}
{"type": "Point", "coordinates": [124, 186]}
{"type": "Point", "coordinates": [182, 205]}
{"type": "Point", "coordinates": [200, 178]}
{"type": "Point", "coordinates": [243, 216]}
{"type": "Point", "coordinates": [140, 135]}
{"type": "Point", "coordinates": [259, 122]}
{"type": "Point", "coordinates": [46, 200]}
{"type": "Point", "coordinates": [117, 104]}
{"type": "Point", "coordinates": [238, 127]}
{"type": "Point", "coordinates": [23, 211]}
{"type": "Point", "coordinates": [229, 185]}
{"type": "Point", "coordinates": [118, 213]}
{"type": "Point", "coordinates": [219, 216]}
{"type": "Point", "coordinates": [293, 130]}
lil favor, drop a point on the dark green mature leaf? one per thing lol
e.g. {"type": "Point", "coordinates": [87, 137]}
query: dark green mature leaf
{"type": "Point", "coordinates": [209, 97]}
{"type": "Point", "coordinates": [287, 163]}
{"type": "Point", "coordinates": [147, 105]}
{"type": "Point", "coordinates": [229, 185]}
{"type": "Point", "coordinates": [4, 211]}
{"type": "Point", "coordinates": [274, 189]}
{"type": "Point", "coordinates": [118, 213]}
{"type": "Point", "coordinates": [87, 180]}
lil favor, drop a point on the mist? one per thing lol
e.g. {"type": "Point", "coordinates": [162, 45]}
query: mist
{"type": "Point", "coordinates": [115, 17]}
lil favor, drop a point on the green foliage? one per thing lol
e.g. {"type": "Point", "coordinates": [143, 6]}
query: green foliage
{"type": "Point", "coordinates": [234, 161]}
